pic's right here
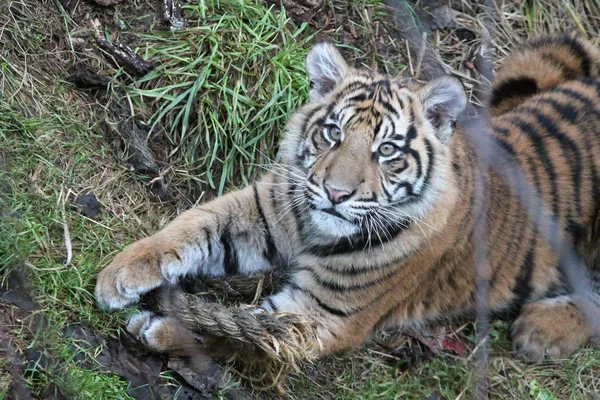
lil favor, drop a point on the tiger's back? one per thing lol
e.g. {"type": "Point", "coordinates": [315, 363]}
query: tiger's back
{"type": "Point", "coordinates": [553, 133]}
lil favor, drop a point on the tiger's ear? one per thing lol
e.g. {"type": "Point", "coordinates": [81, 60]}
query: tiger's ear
{"type": "Point", "coordinates": [443, 100]}
{"type": "Point", "coordinates": [326, 69]}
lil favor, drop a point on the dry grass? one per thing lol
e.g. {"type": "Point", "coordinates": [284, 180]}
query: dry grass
{"type": "Point", "coordinates": [54, 145]}
{"type": "Point", "coordinates": [515, 21]}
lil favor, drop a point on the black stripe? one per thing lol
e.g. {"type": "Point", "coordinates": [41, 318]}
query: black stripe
{"type": "Point", "coordinates": [576, 231]}
{"type": "Point", "coordinates": [540, 150]}
{"type": "Point", "coordinates": [522, 288]}
{"type": "Point", "coordinates": [514, 87]}
{"type": "Point", "coordinates": [566, 111]}
{"type": "Point", "coordinates": [569, 72]}
{"type": "Point", "coordinates": [309, 116]}
{"type": "Point", "coordinates": [589, 146]}
{"type": "Point", "coordinates": [517, 223]}
{"type": "Point", "coordinates": [337, 311]}
{"type": "Point", "coordinates": [272, 196]}
{"type": "Point", "coordinates": [505, 133]}
{"type": "Point", "coordinates": [577, 48]}
{"type": "Point", "coordinates": [406, 185]}
{"type": "Point", "coordinates": [388, 107]}
{"type": "Point", "coordinates": [330, 310]}
{"type": "Point", "coordinates": [311, 179]}
{"type": "Point", "coordinates": [591, 108]}
{"type": "Point", "coordinates": [430, 276]}
{"type": "Point", "coordinates": [565, 143]}
{"type": "Point", "coordinates": [397, 171]}
{"type": "Point", "coordinates": [411, 133]}
{"type": "Point", "coordinates": [395, 129]}
{"type": "Point", "coordinates": [354, 86]}
{"type": "Point", "coordinates": [576, 95]}
{"type": "Point", "coordinates": [574, 45]}
{"type": "Point", "coordinates": [388, 195]}
{"type": "Point", "coordinates": [272, 304]}
{"type": "Point", "coordinates": [230, 260]}
{"type": "Point", "coordinates": [313, 191]}
{"type": "Point", "coordinates": [271, 250]}
{"type": "Point", "coordinates": [357, 98]}
{"type": "Point", "coordinates": [556, 289]}
{"type": "Point", "coordinates": [335, 286]}
{"type": "Point", "coordinates": [430, 156]}
{"type": "Point", "coordinates": [296, 212]}
{"type": "Point", "coordinates": [208, 241]}
{"type": "Point", "coordinates": [352, 271]}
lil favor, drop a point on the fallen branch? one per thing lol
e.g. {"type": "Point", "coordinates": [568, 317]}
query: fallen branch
{"type": "Point", "coordinates": [124, 56]}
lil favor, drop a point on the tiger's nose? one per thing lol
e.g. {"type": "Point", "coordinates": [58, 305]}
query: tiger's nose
{"type": "Point", "coordinates": [336, 196]}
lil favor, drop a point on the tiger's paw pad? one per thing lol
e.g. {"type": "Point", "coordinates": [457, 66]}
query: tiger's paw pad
{"type": "Point", "coordinates": [549, 329]}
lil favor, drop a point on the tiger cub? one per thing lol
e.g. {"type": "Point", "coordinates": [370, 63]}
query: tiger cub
{"type": "Point", "coordinates": [371, 210]}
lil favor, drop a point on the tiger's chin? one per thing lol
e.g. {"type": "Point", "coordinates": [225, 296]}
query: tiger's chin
{"type": "Point", "coordinates": [331, 225]}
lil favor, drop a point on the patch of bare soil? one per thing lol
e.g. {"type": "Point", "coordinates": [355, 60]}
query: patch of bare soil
{"type": "Point", "coordinates": [12, 360]}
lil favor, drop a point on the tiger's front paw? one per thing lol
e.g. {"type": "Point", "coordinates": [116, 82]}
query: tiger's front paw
{"type": "Point", "coordinates": [162, 334]}
{"type": "Point", "coordinates": [549, 329]}
{"type": "Point", "coordinates": [138, 269]}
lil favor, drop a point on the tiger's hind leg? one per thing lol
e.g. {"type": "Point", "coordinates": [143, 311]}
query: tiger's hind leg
{"type": "Point", "coordinates": [550, 328]}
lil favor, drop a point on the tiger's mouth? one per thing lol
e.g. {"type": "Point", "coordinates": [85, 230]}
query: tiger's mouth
{"type": "Point", "coordinates": [334, 212]}
{"type": "Point", "coordinates": [331, 222]}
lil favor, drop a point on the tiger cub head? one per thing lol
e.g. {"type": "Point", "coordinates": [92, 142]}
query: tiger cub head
{"type": "Point", "coordinates": [369, 150]}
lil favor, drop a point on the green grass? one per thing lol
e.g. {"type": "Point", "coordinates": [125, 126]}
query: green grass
{"type": "Point", "coordinates": [43, 166]}
{"type": "Point", "coordinates": [222, 89]}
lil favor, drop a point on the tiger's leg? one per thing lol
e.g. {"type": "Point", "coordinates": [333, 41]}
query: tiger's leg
{"type": "Point", "coordinates": [549, 328]}
{"type": "Point", "coordinates": [229, 235]}
{"type": "Point", "coordinates": [333, 332]}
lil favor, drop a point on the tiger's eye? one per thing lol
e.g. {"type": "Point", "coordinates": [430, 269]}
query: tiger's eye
{"type": "Point", "coordinates": [387, 149]}
{"type": "Point", "coordinates": [334, 133]}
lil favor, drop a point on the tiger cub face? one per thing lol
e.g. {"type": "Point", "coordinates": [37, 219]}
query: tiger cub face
{"type": "Point", "coordinates": [372, 149]}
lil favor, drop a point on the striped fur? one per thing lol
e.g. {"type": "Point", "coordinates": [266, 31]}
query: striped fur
{"type": "Point", "coordinates": [540, 65]}
{"type": "Point", "coordinates": [398, 248]}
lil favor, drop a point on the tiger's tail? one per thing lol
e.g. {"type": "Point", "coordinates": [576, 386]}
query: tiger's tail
{"type": "Point", "coordinates": [539, 65]}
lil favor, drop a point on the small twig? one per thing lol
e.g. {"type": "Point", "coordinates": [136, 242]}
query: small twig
{"type": "Point", "coordinates": [61, 201]}
{"type": "Point", "coordinates": [421, 55]}
{"type": "Point", "coordinates": [412, 71]}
